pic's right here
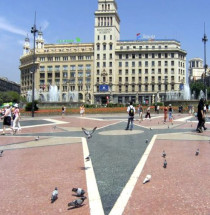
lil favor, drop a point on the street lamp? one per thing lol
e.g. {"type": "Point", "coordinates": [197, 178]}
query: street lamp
{"type": "Point", "coordinates": [204, 40]}
{"type": "Point", "coordinates": [33, 31]}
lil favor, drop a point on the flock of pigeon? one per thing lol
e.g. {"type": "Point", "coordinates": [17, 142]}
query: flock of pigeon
{"type": "Point", "coordinates": [76, 203]}
{"type": "Point", "coordinates": [148, 177]}
{"type": "Point", "coordinates": [79, 191]}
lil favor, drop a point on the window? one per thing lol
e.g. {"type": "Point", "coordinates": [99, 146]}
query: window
{"type": "Point", "coordinates": [159, 87]}
{"type": "Point", "coordinates": [73, 57]}
{"type": "Point", "coordinates": [80, 67]}
{"type": "Point", "coordinates": [126, 79]}
{"type": "Point", "coordinates": [110, 56]}
{"type": "Point", "coordinates": [146, 55]}
{"type": "Point", "coordinates": [98, 47]}
{"type": "Point", "coordinates": [153, 87]}
{"type": "Point", "coordinates": [126, 71]}
{"type": "Point", "coordinates": [120, 64]}
{"type": "Point", "coordinates": [57, 58]}
{"type": "Point", "coordinates": [110, 64]}
{"type": "Point", "coordinates": [139, 55]}
{"type": "Point", "coordinates": [72, 74]}
{"type": "Point", "coordinates": [98, 56]}
{"type": "Point", "coordinates": [159, 55]}
{"type": "Point", "coordinates": [98, 64]}
{"type": "Point", "coordinates": [126, 64]}
{"type": "Point", "coordinates": [120, 72]}
{"type": "Point", "coordinates": [139, 63]}
{"type": "Point", "coordinates": [110, 72]}
{"type": "Point", "coordinates": [80, 74]}
{"type": "Point", "coordinates": [139, 71]}
{"type": "Point", "coordinates": [42, 75]}
{"type": "Point", "coordinates": [110, 47]}
{"type": "Point", "coordinates": [146, 71]}
{"type": "Point", "coordinates": [159, 63]}
{"type": "Point", "coordinates": [172, 55]}
{"type": "Point", "coordinates": [133, 56]}
{"type": "Point", "coordinates": [166, 71]}
{"type": "Point", "coordinates": [104, 37]}
{"type": "Point", "coordinates": [42, 58]}
{"type": "Point", "coordinates": [139, 79]}
{"type": "Point", "coordinates": [49, 68]}
{"type": "Point", "coordinates": [110, 37]}
{"type": "Point", "coordinates": [97, 79]}
{"type": "Point", "coordinates": [65, 58]}
{"type": "Point", "coordinates": [133, 79]}
{"type": "Point", "coordinates": [133, 71]}
{"type": "Point", "coordinates": [98, 37]}
{"type": "Point", "coordinates": [133, 88]}
{"type": "Point", "coordinates": [126, 56]}
{"type": "Point", "coordinates": [166, 55]}
{"type": "Point", "coordinates": [42, 68]}
{"type": "Point", "coordinates": [159, 71]}
{"type": "Point", "coordinates": [139, 88]}
{"type": "Point", "coordinates": [104, 47]}
{"type": "Point", "coordinates": [146, 63]}
{"type": "Point", "coordinates": [104, 64]}
{"type": "Point", "coordinates": [50, 58]}
{"type": "Point", "coordinates": [153, 55]}
{"type": "Point", "coordinates": [88, 67]}
{"type": "Point", "coordinates": [80, 57]}
{"type": "Point", "coordinates": [153, 63]}
{"type": "Point", "coordinates": [166, 63]}
{"type": "Point", "coordinates": [120, 79]}
{"type": "Point", "coordinates": [65, 75]}
{"type": "Point", "coordinates": [153, 71]}
{"type": "Point", "coordinates": [120, 56]}
{"type": "Point", "coordinates": [172, 63]}
{"type": "Point", "coordinates": [98, 73]}
{"type": "Point", "coordinates": [57, 68]}
{"type": "Point", "coordinates": [72, 67]}
{"type": "Point", "coordinates": [104, 56]}
{"type": "Point", "coordinates": [133, 64]}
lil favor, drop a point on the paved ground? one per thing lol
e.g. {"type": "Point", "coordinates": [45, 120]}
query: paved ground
{"type": "Point", "coordinates": [113, 177]}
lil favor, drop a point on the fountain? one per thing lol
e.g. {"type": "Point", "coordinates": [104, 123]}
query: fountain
{"type": "Point", "coordinates": [53, 94]}
{"type": "Point", "coordinates": [201, 95]}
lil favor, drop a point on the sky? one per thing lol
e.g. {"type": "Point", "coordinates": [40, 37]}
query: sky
{"type": "Point", "coordinates": [67, 19]}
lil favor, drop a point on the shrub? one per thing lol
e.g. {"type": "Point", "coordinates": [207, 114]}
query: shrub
{"type": "Point", "coordinates": [28, 106]}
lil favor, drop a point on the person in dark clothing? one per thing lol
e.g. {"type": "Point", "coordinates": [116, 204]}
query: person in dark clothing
{"type": "Point", "coordinates": [201, 116]}
{"type": "Point", "coordinates": [131, 113]}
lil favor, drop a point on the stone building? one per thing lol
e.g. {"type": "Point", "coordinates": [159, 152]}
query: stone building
{"type": "Point", "coordinates": [6, 85]}
{"type": "Point", "coordinates": [108, 70]}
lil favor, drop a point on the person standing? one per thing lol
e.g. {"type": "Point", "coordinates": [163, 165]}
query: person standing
{"type": "Point", "coordinates": [82, 110]}
{"type": "Point", "coordinates": [165, 111]}
{"type": "Point", "coordinates": [170, 116]}
{"type": "Point", "coordinates": [140, 109]}
{"type": "Point", "coordinates": [7, 118]}
{"type": "Point", "coordinates": [131, 113]}
{"type": "Point", "coordinates": [16, 120]}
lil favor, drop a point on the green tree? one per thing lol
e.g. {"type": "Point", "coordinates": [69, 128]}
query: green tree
{"type": "Point", "coordinates": [9, 96]}
{"type": "Point", "coordinates": [197, 87]}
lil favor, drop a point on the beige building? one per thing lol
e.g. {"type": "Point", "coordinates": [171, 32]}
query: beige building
{"type": "Point", "coordinates": [108, 70]}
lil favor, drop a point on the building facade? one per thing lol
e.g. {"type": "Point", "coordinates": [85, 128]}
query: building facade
{"type": "Point", "coordinates": [108, 70]}
{"type": "Point", "coordinates": [6, 85]}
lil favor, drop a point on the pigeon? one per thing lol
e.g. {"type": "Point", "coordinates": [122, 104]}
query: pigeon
{"type": "Point", "coordinates": [88, 133]}
{"type": "Point", "coordinates": [197, 152]}
{"type": "Point", "coordinates": [87, 158]}
{"type": "Point", "coordinates": [37, 138]}
{"type": "Point", "coordinates": [165, 164]}
{"type": "Point", "coordinates": [147, 179]}
{"type": "Point", "coordinates": [1, 153]}
{"type": "Point", "coordinates": [150, 128]}
{"type": "Point", "coordinates": [54, 195]}
{"type": "Point", "coordinates": [164, 154]}
{"type": "Point", "coordinates": [146, 141]}
{"type": "Point", "coordinates": [54, 127]}
{"type": "Point", "coordinates": [79, 191]}
{"type": "Point", "coordinates": [77, 203]}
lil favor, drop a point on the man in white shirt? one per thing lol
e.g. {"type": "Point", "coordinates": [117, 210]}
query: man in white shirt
{"type": "Point", "coordinates": [131, 113]}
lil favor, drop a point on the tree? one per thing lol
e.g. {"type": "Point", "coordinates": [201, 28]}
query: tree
{"type": "Point", "coordinates": [197, 87]}
{"type": "Point", "coordinates": [9, 96]}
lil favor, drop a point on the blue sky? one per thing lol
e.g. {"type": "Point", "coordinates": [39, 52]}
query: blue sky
{"type": "Point", "coordinates": [67, 19]}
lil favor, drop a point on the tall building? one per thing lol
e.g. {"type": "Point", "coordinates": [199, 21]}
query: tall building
{"type": "Point", "coordinates": [6, 85]}
{"type": "Point", "coordinates": [108, 70]}
{"type": "Point", "coordinates": [196, 69]}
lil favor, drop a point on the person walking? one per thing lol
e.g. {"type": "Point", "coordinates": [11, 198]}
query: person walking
{"type": "Point", "coordinates": [82, 110]}
{"type": "Point", "coordinates": [165, 111]}
{"type": "Point", "coordinates": [140, 110]}
{"type": "Point", "coordinates": [131, 113]}
{"type": "Point", "coordinates": [170, 116]}
{"type": "Point", "coordinates": [63, 109]}
{"type": "Point", "coordinates": [7, 118]}
{"type": "Point", "coordinates": [201, 116]}
{"type": "Point", "coordinates": [158, 108]}
{"type": "Point", "coordinates": [148, 112]}
{"type": "Point", "coordinates": [16, 119]}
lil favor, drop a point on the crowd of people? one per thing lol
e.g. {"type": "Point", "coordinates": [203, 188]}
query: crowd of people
{"type": "Point", "coordinates": [11, 118]}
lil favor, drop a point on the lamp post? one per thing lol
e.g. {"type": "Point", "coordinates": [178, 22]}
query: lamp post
{"type": "Point", "coordinates": [165, 82]}
{"type": "Point", "coordinates": [204, 40]}
{"type": "Point", "coordinates": [33, 31]}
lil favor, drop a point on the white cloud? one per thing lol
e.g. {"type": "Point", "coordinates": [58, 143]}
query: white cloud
{"type": "Point", "coordinates": [44, 25]}
{"type": "Point", "coordinates": [6, 26]}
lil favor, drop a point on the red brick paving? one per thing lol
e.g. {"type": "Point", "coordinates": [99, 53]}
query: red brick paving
{"type": "Point", "coordinates": [28, 177]}
{"type": "Point", "coordinates": [182, 188]}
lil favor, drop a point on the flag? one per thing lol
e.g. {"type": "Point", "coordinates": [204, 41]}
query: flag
{"type": "Point", "coordinates": [138, 36]}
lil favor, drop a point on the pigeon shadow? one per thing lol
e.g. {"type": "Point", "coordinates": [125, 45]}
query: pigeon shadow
{"type": "Point", "coordinates": [72, 208]}
{"type": "Point", "coordinates": [77, 195]}
{"type": "Point", "coordinates": [84, 168]}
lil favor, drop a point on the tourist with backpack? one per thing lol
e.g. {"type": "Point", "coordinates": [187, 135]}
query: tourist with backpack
{"type": "Point", "coordinates": [131, 113]}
